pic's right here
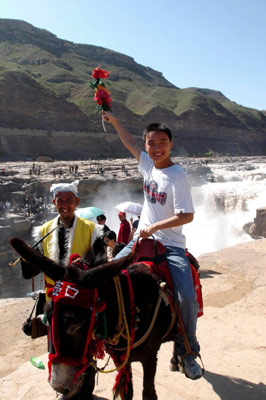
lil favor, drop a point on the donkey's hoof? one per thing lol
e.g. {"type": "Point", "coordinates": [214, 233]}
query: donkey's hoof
{"type": "Point", "coordinates": [174, 365]}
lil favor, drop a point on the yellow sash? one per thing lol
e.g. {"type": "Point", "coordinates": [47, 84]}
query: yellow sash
{"type": "Point", "coordinates": [81, 242]}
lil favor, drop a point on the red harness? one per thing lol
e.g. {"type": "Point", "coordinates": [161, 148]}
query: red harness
{"type": "Point", "coordinates": [73, 295]}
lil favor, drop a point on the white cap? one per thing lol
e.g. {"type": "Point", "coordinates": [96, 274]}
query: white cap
{"type": "Point", "coordinates": [64, 187]}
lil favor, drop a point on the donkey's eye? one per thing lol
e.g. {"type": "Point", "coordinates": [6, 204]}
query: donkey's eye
{"type": "Point", "coordinates": [70, 318]}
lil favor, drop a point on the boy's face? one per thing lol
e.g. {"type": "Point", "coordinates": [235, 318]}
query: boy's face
{"type": "Point", "coordinates": [158, 147]}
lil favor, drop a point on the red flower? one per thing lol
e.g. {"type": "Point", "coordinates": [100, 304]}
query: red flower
{"type": "Point", "coordinates": [103, 99]}
{"type": "Point", "coordinates": [101, 94]}
{"type": "Point", "coordinates": [100, 73]}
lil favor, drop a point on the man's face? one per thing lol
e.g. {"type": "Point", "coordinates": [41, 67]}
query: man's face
{"type": "Point", "coordinates": [122, 217]}
{"type": "Point", "coordinates": [158, 147]}
{"type": "Point", "coordinates": [66, 203]}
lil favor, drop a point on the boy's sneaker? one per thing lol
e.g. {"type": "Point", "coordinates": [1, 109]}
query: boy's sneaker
{"type": "Point", "coordinates": [192, 369]}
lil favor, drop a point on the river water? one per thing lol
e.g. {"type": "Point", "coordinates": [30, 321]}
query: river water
{"type": "Point", "coordinates": [224, 206]}
{"type": "Point", "coordinates": [223, 203]}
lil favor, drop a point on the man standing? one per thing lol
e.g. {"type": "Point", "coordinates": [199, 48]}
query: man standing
{"type": "Point", "coordinates": [72, 234]}
{"type": "Point", "coordinates": [167, 207]}
{"type": "Point", "coordinates": [124, 229]}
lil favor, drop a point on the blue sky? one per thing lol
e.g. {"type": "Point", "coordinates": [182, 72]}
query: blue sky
{"type": "Point", "coordinates": [215, 44]}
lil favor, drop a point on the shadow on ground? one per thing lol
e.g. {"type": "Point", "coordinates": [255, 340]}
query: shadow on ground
{"type": "Point", "coordinates": [230, 388]}
{"type": "Point", "coordinates": [208, 273]}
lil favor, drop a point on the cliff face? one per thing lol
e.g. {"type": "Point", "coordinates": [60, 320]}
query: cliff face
{"type": "Point", "coordinates": [44, 90]}
{"type": "Point", "coordinates": [24, 103]}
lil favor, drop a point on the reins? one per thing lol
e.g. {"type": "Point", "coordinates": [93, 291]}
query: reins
{"type": "Point", "coordinates": [144, 337]}
{"type": "Point", "coordinates": [155, 314]}
{"type": "Point", "coordinates": [122, 324]}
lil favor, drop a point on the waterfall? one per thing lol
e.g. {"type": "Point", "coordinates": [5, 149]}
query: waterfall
{"type": "Point", "coordinates": [224, 205]}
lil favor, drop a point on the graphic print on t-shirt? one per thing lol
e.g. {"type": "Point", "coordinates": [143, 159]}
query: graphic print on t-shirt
{"type": "Point", "coordinates": [152, 194]}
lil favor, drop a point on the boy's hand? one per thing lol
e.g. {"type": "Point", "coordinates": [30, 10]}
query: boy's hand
{"type": "Point", "coordinates": [126, 138]}
{"type": "Point", "coordinates": [147, 231]}
{"type": "Point", "coordinates": [108, 117]}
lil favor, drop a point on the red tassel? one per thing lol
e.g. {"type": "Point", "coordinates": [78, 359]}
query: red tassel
{"type": "Point", "coordinates": [121, 383]}
{"type": "Point", "coordinates": [99, 349]}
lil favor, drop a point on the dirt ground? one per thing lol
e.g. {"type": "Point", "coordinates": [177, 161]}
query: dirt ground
{"type": "Point", "coordinates": [232, 334]}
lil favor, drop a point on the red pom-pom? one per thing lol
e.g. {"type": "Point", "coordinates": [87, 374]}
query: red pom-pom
{"type": "Point", "coordinates": [73, 257]}
{"type": "Point", "coordinates": [49, 292]}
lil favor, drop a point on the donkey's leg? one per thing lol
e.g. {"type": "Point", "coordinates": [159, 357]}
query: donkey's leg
{"type": "Point", "coordinates": [88, 384]}
{"type": "Point", "coordinates": [149, 370]}
{"type": "Point", "coordinates": [174, 360]}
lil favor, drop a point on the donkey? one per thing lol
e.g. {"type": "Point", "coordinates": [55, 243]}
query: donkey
{"type": "Point", "coordinates": [115, 307]}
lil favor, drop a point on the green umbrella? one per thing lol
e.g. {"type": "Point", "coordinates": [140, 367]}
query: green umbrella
{"type": "Point", "coordinates": [89, 212]}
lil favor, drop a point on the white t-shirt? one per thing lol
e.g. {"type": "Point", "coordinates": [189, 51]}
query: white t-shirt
{"type": "Point", "coordinates": [166, 193]}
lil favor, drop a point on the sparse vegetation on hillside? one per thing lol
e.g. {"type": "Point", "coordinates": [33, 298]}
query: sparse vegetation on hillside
{"type": "Point", "coordinates": [62, 72]}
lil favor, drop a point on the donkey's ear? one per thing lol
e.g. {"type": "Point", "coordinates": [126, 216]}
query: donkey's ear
{"type": "Point", "coordinates": [96, 276]}
{"type": "Point", "coordinates": [52, 269]}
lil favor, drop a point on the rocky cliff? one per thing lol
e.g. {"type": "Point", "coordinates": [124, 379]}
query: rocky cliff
{"type": "Point", "coordinates": [44, 90]}
{"type": "Point", "coordinates": [257, 229]}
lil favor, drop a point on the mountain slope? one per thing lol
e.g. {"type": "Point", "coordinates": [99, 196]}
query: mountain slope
{"type": "Point", "coordinates": [44, 84]}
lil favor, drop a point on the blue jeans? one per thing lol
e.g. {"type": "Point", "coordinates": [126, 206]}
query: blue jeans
{"type": "Point", "coordinates": [179, 268]}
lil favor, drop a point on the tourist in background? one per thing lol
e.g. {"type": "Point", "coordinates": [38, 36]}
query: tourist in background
{"type": "Point", "coordinates": [113, 248]}
{"type": "Point", "coordinates": [124, 229]}
{"type": "Point", "coordinates": [101, 220]}
{"type": "Point", "coordinates": [133, 227]}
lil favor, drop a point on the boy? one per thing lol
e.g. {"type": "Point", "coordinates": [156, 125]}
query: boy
{"type": "Point", "coordinates": [167, 207]}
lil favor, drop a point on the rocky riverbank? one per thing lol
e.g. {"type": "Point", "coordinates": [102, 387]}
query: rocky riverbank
{"type": "Point", "coordinates": [34, 178]}
{"type": "Point", "coordinates": [26, 200]}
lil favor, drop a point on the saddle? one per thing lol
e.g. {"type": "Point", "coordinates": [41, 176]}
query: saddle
{"type": "Point", "coordinates": [154, 253]}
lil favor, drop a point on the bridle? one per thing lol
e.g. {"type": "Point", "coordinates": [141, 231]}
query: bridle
{"type": "Point", "coordinates": [75, 296]}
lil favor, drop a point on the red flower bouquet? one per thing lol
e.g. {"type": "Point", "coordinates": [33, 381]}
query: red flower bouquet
{"type": "Point", "coordinates": [100, 73]}
{"type": "Point", "coordinates": [101, 94]}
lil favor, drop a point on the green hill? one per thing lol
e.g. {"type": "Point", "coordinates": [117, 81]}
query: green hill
{"type": "Point", "coordinates": [44, 84]}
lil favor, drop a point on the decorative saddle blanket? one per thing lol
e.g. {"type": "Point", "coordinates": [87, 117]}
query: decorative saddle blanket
{"type": "Point", "coordinates": [154, 253]}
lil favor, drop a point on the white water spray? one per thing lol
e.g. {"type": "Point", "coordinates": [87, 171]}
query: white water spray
{"type": "Point", "coordinates": [222, 207]}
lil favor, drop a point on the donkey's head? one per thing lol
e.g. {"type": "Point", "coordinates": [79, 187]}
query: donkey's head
{"type": "Point", "coordinates": [71, 314]}
{"type": "Point", "coordinates": [71, 317]}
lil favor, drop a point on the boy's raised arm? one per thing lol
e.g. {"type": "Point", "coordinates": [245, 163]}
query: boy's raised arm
{"type": "Point", "coordinates": [125, 136]}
